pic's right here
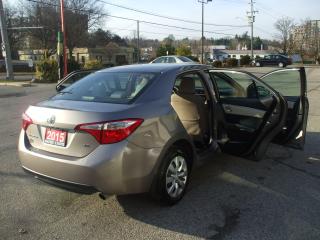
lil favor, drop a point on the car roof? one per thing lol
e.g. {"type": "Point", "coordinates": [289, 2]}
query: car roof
{"type": "Point", "coordinates": [160, 67]}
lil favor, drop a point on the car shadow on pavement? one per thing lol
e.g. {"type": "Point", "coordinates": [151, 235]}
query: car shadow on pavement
{"type": "Point", "coordinates": [228, 193]}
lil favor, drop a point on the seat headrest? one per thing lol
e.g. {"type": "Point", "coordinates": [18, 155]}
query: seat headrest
{"type": "Point", "coordinates": [187, 85]}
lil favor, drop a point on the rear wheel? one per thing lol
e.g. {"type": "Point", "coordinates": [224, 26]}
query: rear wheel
{"type": "Point", "coordinates": [281, 64]}
{"type": "Point", "coordinates": [258, 64]}
{"type": "Point", "coordinates": [173, 177]}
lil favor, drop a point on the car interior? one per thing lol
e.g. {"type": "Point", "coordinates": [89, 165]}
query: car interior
{"type": "Point", "coordinates": [244, 107]}
{"type": "Point", "coordinates": [190, 100]}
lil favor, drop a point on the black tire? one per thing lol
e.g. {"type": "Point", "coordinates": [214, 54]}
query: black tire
{"type": "Point", "coordinates": [159, 188]}
{"type": "Point", "coordinates": [281, 65]}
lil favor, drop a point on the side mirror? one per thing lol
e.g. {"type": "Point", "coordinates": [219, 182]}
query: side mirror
{"type": "Point", "coordinates": [59, 88]}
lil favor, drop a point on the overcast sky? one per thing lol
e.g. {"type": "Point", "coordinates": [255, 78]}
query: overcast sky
{"type": "Point", "coordinates": [231, 12]}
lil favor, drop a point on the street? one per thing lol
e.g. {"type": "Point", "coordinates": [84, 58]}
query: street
{"type": "Point", "coordinates": [228, 197]}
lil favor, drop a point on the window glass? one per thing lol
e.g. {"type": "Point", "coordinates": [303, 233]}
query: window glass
{"type": "Point", "coordinates": [235, 85]}
{"type": "Point", "coordinates": [262, 91]}
{"type": "Point", "coordinates": [107, 87]}
{"type": "Point", "coordinates": [75, 77]}
{"type": "Point", "coordinates": [225, 88]}
{"type": "Point", "coordinates": [197, 81]}
{"type": "Point", "coordinates": [286, 82]}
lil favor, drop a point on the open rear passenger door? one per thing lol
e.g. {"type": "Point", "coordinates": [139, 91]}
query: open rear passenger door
{"type": "Point", "coordinates": [292, 85]}
{"type": "Point", "coordinates": [248, 113]}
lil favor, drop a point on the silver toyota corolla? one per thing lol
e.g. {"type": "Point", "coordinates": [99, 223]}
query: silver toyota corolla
{"type": "Point", "coordinates": [141, 128]}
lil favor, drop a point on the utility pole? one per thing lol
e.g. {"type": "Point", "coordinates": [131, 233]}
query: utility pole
{"type": "Point", "coordinates": [317, 38]}
{"type": "Point", "coordinates": [202, 28]}
{"type": "Point", "coordinates": [251, 19]}
{"type": "Point", "coordinates": [63, 28]}
{"type": "Point", "coordinates": [5, 44]}
{"type": "Point", "coordinates": [138, 40]}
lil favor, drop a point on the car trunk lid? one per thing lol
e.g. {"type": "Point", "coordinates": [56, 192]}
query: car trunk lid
{"type": "Point", "coordinates": [64, 116]}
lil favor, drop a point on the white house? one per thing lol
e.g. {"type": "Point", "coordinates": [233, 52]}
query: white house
{"type": "Point", "coordinates": [218, 54]}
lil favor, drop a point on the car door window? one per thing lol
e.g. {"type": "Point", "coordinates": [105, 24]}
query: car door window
{"type": "Point", "coordinates": [287, 82]}
{"type": "Point", "coordinates": [200, 89]}
{"type": "Point", "coordinates": [235, 85]}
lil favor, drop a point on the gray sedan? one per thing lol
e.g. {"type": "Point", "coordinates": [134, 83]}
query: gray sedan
{"type": "Point", "coordinates": [141, 128]}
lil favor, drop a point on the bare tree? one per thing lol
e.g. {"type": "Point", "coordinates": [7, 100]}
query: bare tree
{"type": "Point", "coordinates": [81, 16]}
{"type": "Point", "coordinates": [45, 16]}
{"type": "Point", "coordinates": [284, 26]}
{"type": "Point", "coordinates": [15, 18]}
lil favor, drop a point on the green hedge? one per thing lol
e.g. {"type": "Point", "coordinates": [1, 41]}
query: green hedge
{"type": "Point", "coordinates": [217, 64]}
{"type": "Point", "coordinates": [47, 71]}
{"type": "Point", "coordinates": [245, 60]}
{"type": "Point", "coordinates": [231, 62]}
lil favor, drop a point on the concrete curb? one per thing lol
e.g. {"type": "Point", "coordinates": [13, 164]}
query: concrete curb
{"type": "Point", "coordinates": [16, 84]}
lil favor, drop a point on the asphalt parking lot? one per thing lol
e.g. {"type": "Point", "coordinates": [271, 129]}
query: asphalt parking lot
{"type": "Point", "coordinates": [228, 198]}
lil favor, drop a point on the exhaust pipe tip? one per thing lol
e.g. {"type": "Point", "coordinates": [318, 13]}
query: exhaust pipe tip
{"type": "Point", "coordinates": [102, 196]}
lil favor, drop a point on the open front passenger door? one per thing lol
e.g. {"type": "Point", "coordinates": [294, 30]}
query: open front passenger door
{"type": "Point", "coordinates": [292, 85]}
{"type": "Point", "coordinates": [249, 113]}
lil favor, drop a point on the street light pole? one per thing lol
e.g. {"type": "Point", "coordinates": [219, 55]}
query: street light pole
{"type": "Point", "coordinates": [202, 31]}
{"type": "Point", "coordinates": [5, 44]}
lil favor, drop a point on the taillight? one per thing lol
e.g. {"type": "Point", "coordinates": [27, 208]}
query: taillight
{"type": "Point", "coordinates": [26, 121]}
{"type": "Point", "coordinates": [111, 132]}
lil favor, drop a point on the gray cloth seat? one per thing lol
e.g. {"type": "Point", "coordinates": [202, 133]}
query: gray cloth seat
{"type": "Point", "coordinates": [191, 110]}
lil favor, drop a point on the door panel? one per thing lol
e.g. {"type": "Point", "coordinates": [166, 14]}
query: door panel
{"type": "Point", "coordinates": [248, 102]}
{"type": "Point", "coordinates": [291, 83]}
{"type": "Point", "coordinates": [251, 112]}
{"type": "Point", "coordinates": [243, 111]}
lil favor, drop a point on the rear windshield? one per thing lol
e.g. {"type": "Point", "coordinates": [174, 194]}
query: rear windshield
{"type": "Point", "coordinates": [107, 87]}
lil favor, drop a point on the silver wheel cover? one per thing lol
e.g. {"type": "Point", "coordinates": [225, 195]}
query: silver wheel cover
{"type": "Point", "coordinates": [176, 176]}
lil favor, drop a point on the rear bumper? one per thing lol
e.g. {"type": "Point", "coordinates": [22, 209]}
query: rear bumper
{"type": "Point", "coordinates": [120, 168]}
{"type": "Point", "coordinates": [73, 187]}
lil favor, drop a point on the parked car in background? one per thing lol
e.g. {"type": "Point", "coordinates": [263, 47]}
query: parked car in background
{"type": "Point", "coordinates": [172, 59]}
{"type": "Point", "coordinates": [273, 60]}
{"type": "Point", "coordinates": [141, 128]}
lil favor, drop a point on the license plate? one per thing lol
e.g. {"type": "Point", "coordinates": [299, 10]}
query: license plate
{"type": "Point", "coordinates": [55, 137]}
